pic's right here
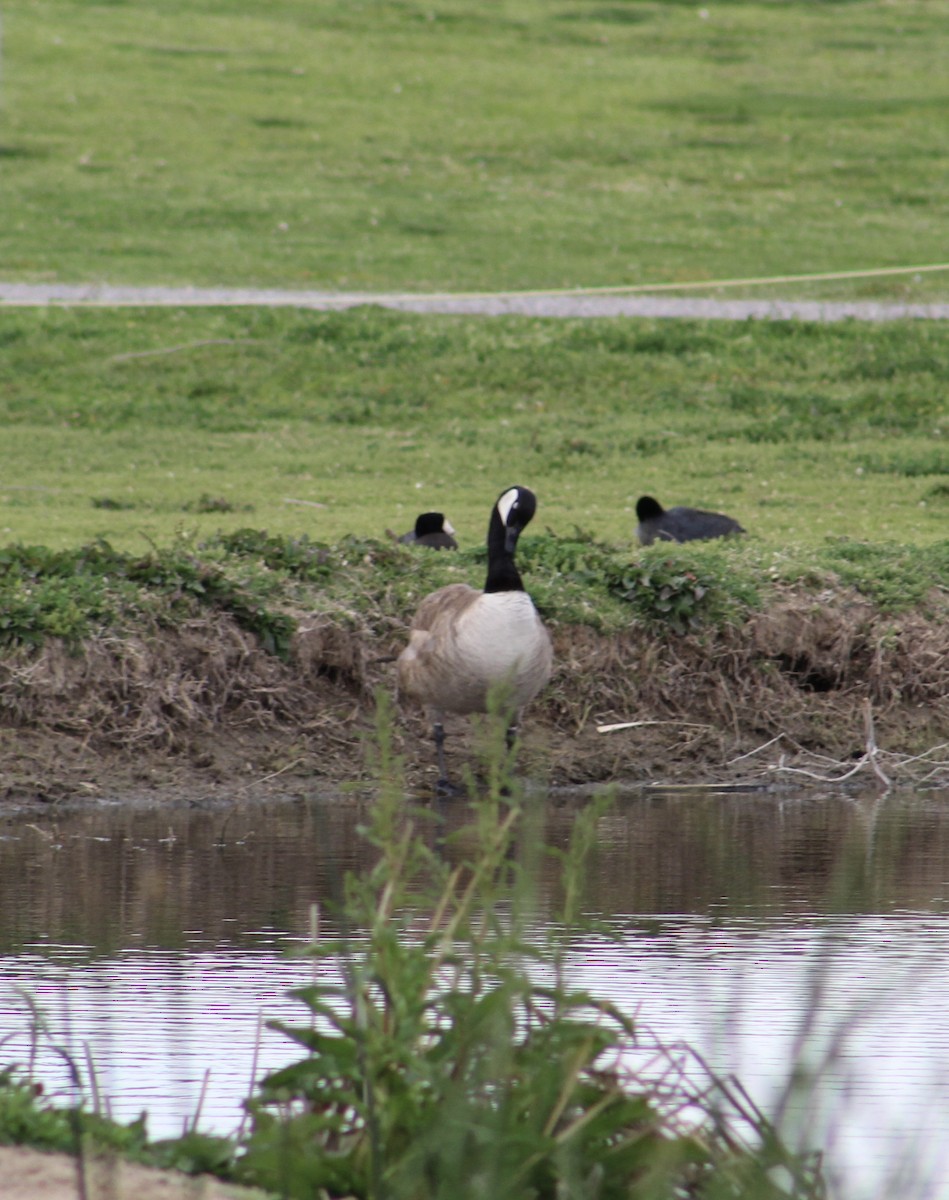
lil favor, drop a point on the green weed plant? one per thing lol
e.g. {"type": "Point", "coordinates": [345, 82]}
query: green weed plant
{"type": "Point", "coordinates": [447, 1054]}
{"type": "Point", "coordinates": [446, 1051]}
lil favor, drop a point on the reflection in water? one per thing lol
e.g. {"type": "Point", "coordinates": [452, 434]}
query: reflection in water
{"type": "Point", "coordinates": [113, 878]}
{"type": "Point", "coordinates": [157, 1023]}
{"type": "Point", "coordinates": [743, 995]}
{"type": "Point", "coordinates": [160, 937]}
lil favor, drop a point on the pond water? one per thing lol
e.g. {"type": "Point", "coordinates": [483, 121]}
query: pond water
{"type": "Point", "coordinates": [758, 927]}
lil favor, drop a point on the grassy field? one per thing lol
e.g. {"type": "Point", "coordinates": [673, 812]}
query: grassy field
{"type": "Point", "coordinates": [454, 145]}
{"type": "Point", "coordinates": [135, 425]}
{"type": "Point", "coordinates": [518, 145]}
{"type": "Point", "coordinates": [450, 145]}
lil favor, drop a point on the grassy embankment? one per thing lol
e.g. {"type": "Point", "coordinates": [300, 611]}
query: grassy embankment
{"type": "Point", "coordinates": [392, 146]}
{"type": "Point", "coordinates": [235, 492]}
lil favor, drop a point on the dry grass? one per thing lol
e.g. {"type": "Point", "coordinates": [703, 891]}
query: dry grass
{"type": "Point", "coordinates": [806, 689]}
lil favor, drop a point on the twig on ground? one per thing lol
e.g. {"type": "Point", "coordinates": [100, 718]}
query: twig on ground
{"type": "Point", "coordinates": [640, 724]}
{"type": "Point", "coordinates": [274, 774]}
{"type": "Point", "coordinates": [820, 778]}
{"type": "Point", "coordinates": [751, 753]}
{"type": "Point", "coordinates": [916, 758]}
{"type": "Point", "coordinates": [871, 743]}
{"type": "Point", "coordinates": [808, 762]}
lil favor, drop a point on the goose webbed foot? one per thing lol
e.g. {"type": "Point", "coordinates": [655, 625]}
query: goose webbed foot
{"type": "Point", "coordinates": [446, 790]}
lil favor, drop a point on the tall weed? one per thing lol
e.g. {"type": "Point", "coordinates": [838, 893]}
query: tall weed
{"type": "Point", "coordinates": [446, 1054]}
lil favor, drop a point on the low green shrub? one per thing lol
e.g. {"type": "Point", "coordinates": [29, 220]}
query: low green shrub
{"type": "Point", "coordinates": [298, 557]}
{"type": "Point", "coordinates": [29, 1117]}
{"type": "Point", "coordinates": [69, 594]}
{"type": "Point", "coordinates": [446, 1053]}
{"type": "Point", "coordinates": [683, 588]}
{"type": "Point", "coordinates": [894, 577]}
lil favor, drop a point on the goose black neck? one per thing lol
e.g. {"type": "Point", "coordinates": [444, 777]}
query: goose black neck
{"type": "Point", "coordinates": [503, 575]}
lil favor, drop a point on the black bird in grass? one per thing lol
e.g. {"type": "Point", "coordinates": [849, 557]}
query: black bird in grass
{"type": "Point", "coordinates": [463, 642]}
{"type": "Point", "coordinates": [432, 529]}
{"type": "Point", "coordinates": [680, 524]}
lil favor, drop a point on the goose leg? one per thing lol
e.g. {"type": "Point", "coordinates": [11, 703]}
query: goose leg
{"type": "Point", "coordinates": [438, 732]}
{"type": "Point", "coordinates": [510, 740]}
{"type": "Point", "coordinates": [444, 786]}
{"type": "Point", "coordinates": [512, 730]}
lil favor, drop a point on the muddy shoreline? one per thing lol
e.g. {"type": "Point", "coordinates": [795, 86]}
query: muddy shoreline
{"type": "Point", "coordinates": [812, 686]}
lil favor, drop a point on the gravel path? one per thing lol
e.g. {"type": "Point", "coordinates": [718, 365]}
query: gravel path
{"type": "Point", "coordinates": [534, 304]}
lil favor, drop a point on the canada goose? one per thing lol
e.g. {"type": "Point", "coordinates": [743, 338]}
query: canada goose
{"type": "Point", "coordinates": [464, 642]}
{"type": "Point", "coordinates": [680, 524]}
{"type": "Point", "coordinates": [431, 529]}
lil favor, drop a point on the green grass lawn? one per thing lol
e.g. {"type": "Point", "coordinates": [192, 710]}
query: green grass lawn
{"type": "Point", "coordinates": [516, 144]}
{"type": "Point", "coordinates": [453, 145]}
{"type": "Point", "coordinates": [137, 424]}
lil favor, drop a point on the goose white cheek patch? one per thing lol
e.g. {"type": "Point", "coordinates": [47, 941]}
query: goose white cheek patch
{"type": "Point", "coordinates": [506, 503]}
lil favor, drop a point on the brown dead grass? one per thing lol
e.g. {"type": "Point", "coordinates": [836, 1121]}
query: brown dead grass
{"type": "Point", "coordinates": [202, 708]}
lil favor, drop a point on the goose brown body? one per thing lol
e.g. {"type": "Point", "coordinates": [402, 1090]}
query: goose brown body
{"type": "Point", "coordinates": [463, 642]}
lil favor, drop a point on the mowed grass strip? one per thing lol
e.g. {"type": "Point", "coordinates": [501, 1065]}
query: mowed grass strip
{"type": "Point", "coordinates": [138, 425]}
{"type": "Point", "coordinates": [448, 145]}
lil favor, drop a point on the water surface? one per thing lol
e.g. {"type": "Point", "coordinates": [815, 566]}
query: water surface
{"type": "Point", "coordinates": [757, 927]}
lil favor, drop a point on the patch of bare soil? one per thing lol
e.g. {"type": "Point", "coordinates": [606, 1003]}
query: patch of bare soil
{"type": "Point", "coordinates": [27, 1174]}
{"type": "Point", "coordinates": [818, 684]}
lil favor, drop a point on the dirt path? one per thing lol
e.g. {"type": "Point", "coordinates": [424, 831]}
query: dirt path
{"type": "Point", "coordinates": [533, 304]}
{"type": "Point", "coordinates": [27, 1174]}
